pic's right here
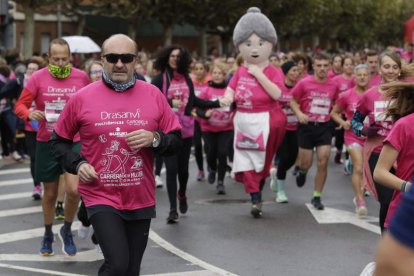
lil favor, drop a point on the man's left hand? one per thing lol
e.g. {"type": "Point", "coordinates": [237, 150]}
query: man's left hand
{"type": "Point", "coordinates": [139, 139]}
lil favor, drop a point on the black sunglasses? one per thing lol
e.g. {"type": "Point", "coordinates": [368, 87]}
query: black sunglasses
{"type": "Point", "coordinates": [125, 58]}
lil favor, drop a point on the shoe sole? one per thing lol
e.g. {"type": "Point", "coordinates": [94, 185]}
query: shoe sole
{"type": "Point", "coordinates": [362, 212]}
{"type": "Point", "coordinates": [60, 217]}
{"type": "Point", "coordinates": [46, 254]}
{"type": "Point", "coordinates": [63, 246]}
{"type": "Point", "coordinates": [159, 186]}
{"type": "Point", "coordinates": [172, 221]}
{"type": "Point", "coordinates": [282, 200]}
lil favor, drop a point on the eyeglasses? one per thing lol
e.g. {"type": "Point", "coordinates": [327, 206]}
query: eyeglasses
{"type": "Point", "coordinates": [125, 58]}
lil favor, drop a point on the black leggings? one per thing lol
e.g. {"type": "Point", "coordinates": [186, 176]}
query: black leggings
{"type": "Point", "coordinates": [122, 242]}
{"type": "Point", "coordinates": [30, 137]}
{"type": "Point", "coordinates": [198, 146]}
{"type": "Point", "coordinates": [287, 153]}
{"type": "Point", "coordinates": [178, 165]}
{"type": "Point", "coordinates": [384, 193]}
{"type": "Point", "coordinates": [217, 151]}
{"type": "Point", "coordinates": [158, 164]}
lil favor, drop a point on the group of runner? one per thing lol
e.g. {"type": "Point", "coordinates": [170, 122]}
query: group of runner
{"type": "Point", "coordinates": [336, 93]}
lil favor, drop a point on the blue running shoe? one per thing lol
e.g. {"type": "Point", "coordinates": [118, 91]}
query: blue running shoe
{"type": "Point", "coordinates": [68, 246]}
{"type": "Point", "coordinates": [47, 249]}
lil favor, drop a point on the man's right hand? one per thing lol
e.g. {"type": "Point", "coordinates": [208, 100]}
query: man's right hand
{"type": "Point", "coordinates": [303, 118]}
{"type": "Point", "coordinates": [87, 173]}
{"type": "Point", "coordinates": [36, 115]}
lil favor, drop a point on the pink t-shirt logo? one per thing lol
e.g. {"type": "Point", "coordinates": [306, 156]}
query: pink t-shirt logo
{"type": "Point", "coordinates": [244, 92]}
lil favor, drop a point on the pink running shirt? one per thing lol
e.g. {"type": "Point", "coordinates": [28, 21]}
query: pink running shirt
{"type": "Point", "coordinates": [103, 118]}
{"type": "Point", "coordinates": [292, 120]}
{"type": "Point", "coordinates": [221, 119]}
{"type": "Point", "coordinates": [348, 102]}
{"type": "Point", "coordinates": [344, 84]}
{"type": "Point", "coordinates": [316, 98]}
{"type": "Point", "coordinates": [375, 80]}
{"type": "Point", "coordinates": [249, 94]}
{"type": "Point", "coordinates": [51, 95]}
{"type": "Point", "coordinates": [400, 138]}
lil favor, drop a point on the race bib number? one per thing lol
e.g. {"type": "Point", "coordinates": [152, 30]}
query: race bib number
{"type": "Point", "coordinates": [290, 115]}
{"type": "Point", "coordinates": [379, 111]}
{"type": "Point", "coordinates": [320, 106]}
{"type": "Point", "coordinates": [53, 110]}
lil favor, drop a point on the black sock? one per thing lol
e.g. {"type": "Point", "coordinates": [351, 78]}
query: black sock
{"type": "Point", "coordinates": [48, 229]}
{"type": "Point", "coordinates": [66, 226]}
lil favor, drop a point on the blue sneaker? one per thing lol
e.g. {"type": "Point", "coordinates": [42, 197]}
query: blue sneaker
{"type": "Point", "coordinates": [47, 249]}
{"type": "Point", "coordinates": [68, 246]}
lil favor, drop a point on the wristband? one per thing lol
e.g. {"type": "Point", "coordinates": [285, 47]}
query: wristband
{"type": "Point", "coordinates": [405, 186]}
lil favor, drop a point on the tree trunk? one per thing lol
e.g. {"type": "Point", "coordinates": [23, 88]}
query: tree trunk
{"type": "Point", "coordinates": [202, 42]}
{"type": "Point", "coordinates": [81, 24]}
{"type": "Point", "coordinates": [168, 35]}
{"type": "Point", "coordinates": [132, 30]}
{"type": "Point", "coordinates": [28, 31]}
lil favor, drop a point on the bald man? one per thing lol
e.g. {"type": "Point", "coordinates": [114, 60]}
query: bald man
{"type": "Point", "coordinates": [122, 122]}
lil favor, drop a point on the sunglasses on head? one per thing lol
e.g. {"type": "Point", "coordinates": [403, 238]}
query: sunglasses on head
{"type": "Point", "coordinates": [125, 58]}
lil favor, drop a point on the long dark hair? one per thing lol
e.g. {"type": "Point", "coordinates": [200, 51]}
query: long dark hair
{"type": "Point", "coordinates": [184, 62]}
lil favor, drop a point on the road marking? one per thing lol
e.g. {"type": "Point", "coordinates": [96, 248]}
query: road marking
{"type": "Point", "coordinates": [15, 196]}
{"type": "Point", "coordinates": [84, 256]}
{"type": "Point", "coordinates": [184, 255]}
{"type": "Point", "coordinates": [331, 215]}
{"type": "Point", "coordinates": [15, 182]}
{"type": "Point", "coordinates": [21, 211]}
{"type": "Point", "coordinates": [31, 233]}
{"type": "Point", "coordinates": [49, 272]}
{"type": "Point", "coordinates": [187, 273]}
{"type": "Point", "coordinates": [14, 171]}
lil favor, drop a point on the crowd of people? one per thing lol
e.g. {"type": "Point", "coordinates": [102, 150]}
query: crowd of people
{"type": "Point", "coordinates": [292, 106]}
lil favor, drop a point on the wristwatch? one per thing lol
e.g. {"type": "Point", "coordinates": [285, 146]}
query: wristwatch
{"type": "Point", "coordinates": [157, 139]}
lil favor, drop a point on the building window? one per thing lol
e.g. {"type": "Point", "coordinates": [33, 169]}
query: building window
{"type": "Point", "coordinates": [44, 42]}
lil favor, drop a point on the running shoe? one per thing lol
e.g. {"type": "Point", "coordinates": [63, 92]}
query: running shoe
{"type": "Point", "coordinates": [16, 156]}
{"type": "Point", "coordinates": [360, 207]}
{"type": "Point", "coordinates": [273, 180]}
{"type": "Point", "coordinates": [158, 181]}
{"type": "Point", "coordinates": [367, 193]}
{"type": "Point", "coordinates": [60, 214]}
{"type": "Point", "coordinates": [256, 210]}
{"type": "Point", "coordinates": [83, 231]}
{"type": "Point", "coordinates": [220, 188]}
{"type": "Point", "coordinates": [68, 246]}
{"type": "Point", "coordinates": [317, 203]}
{"type": "Point", "coordinates": [200, 176]}
{"type": "Point", "coordinates": [183, 205]}
{"type": "Point", "coordinates": [281, 197]}
{"type": "Point", "coordinates": [300, 179]}
{"type": "Point", "coordinates": [172, 217]}
{"type": "Point", "coordinates": [37, 192]}
{"type": "Point", "coordinates": [211, 177]}
{"type": "Point", "coordinates": [46, 249]}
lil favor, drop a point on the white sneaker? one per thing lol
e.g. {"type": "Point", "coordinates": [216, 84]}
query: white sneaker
{"type": "Point", "coordinates": [281, 197]}
{"type": "Point", "coordinates": [16, 156]}
{"type": "Point", "coordinates": [273, 181]}
{"type": "Point", "coordinates": [158, 181]}
{"type": "Point", "coordinates": [83, 231]}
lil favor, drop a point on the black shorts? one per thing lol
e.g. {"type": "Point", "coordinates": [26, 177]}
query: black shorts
{"type": "Point", "coordinates": [314, 134]}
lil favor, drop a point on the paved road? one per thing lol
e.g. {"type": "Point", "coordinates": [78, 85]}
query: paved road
{"type": "Point", "coordinates": [217, 236]}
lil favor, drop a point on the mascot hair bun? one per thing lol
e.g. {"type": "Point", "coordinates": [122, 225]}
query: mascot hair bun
{"type": "Point", "coordinates": [254, 21]}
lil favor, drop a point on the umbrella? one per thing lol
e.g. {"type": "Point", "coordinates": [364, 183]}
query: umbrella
{"type": "Point", "coordinates": [82, 44]}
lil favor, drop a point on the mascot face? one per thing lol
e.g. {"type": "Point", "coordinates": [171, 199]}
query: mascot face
{"type": "Point", "coordinates": [255, 50]}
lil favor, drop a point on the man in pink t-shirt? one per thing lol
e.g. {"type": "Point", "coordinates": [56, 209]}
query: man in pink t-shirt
{"type": "Point", "coordinates": [50, 88]}
{"type": "Point", "coordinates": [120, 132]}
{"type": "Point", "coordinates": [313, 98]}
{"type": "Point", "coordinates": [372, 62]}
